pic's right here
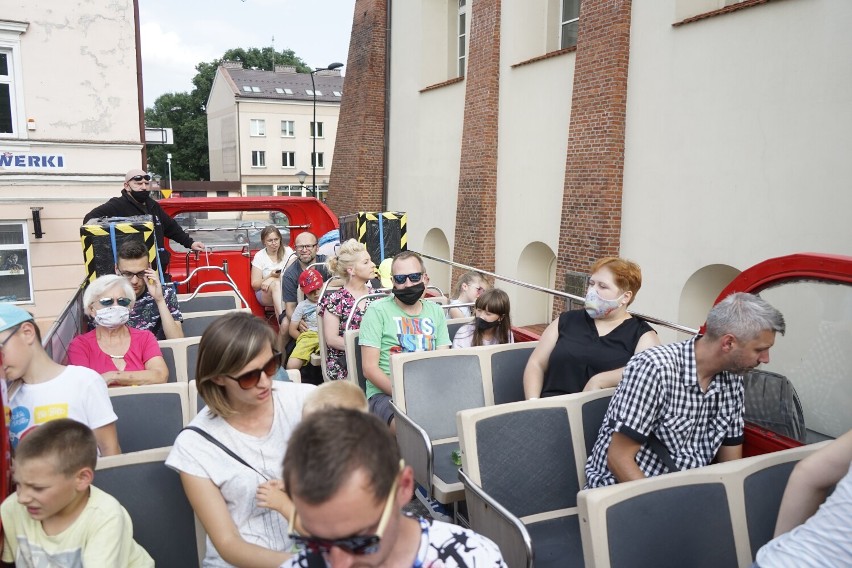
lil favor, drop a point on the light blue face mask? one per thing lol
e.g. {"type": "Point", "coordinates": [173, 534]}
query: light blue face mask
{"type": "Point", "coordinates": [112, 317]}
{"type": "Point", "coordinates": [597, 307]}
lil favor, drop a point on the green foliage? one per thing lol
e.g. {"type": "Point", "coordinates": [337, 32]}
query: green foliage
{"type": "Point", "coordinates": [185, 114]}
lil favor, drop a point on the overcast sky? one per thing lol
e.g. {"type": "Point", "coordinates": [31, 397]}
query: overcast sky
{"type": "Point", "coordinates": [179, 34]}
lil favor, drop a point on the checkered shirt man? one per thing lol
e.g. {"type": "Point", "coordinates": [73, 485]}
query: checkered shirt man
{"type": "Point", "coordinates": [659, 394]}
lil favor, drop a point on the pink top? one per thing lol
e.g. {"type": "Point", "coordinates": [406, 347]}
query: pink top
{"type": "Point", "coordinates": [85, 351]}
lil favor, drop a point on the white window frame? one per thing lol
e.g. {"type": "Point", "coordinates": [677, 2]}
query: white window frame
{"type": "Point", "coordinates": [321, 164]}
{"type": "Point", "coordinates": [461, 38]}
{"type": "Point", "coordinates": [10, 44]}
{"type": "Point", "coordinates": [319, 129]}
{"type": "Point", "coordinates": [258, 158]}
{"type": "Point", "coordinates": [288, 131]}
{"type": "Point", "coordinates": [563, 22]}
{"type": "Point", "coordinates": [26, 264]}
{"type": "Point", "coordinates": [292, 160]}
{"type": "Point", "coordinates": [257, 127]}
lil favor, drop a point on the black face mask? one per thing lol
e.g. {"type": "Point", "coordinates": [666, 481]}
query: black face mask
{"type": "Point", "coordinates": [410, 295]}
{"type": "Point", "coordinates": [483, 325]}
{"type": "Point", "coordinates": [140, 196]}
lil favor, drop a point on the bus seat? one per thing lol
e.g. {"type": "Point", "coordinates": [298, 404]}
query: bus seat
{"type": "Point", "coordinates": [149, 416]}
{"type": "Point", "coordinates": [507, 370]}
{"type": "Point", "coordinates": [180, 357]}
{"type": "Point", "coordinates": [453, 325]}
{"type": "Point", "coordinates": [354, 369]}
{"type": "Point", "coordinates": [194, 324]}
{"type": "Point", "coordinates": [163, 520]}
{"type": "Point", "coordinates": [209, 302]}
{"type": "Point", "coordinates": [771, 402]}
{"type": "Point", "coordinates": [521, 481]}
{"type": "Point", "coordinates": [169, 358]}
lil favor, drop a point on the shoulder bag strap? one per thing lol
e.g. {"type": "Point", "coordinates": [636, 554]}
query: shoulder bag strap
{"type": "Point", "coordinates": [224, 448]}
{"type": "Point", "coordinates": [662, 452]}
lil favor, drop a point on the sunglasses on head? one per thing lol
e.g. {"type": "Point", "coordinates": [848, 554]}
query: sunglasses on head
{"type": "Point", "coordinates": [140, 178]}
{"type": "Point", "coordinates": [106, 302]}
{"type": "Point", "coordinates": [250, 379]}
{"type": "Point", "coordinates": [415, 277]}
{"type": "Point", "coordinates": [357, 544]}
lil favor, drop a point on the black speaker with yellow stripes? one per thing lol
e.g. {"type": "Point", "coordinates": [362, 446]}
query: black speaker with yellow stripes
{"type": "Point", "coordinates": [102, 238]}
{"type": "Point", "coordinates": [384, 234]}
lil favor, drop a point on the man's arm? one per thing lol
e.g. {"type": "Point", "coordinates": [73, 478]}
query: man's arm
{"type": "Point", "coordinates": [372, 371]}
{"type": "Point", "coordinates": [729, 453]}
{"type": "Point", "coordinates": [171, 228]}
{"type": "Point", "coordinates": [621, 458]}
{"type": "Point", "coordinates": [810, 482]}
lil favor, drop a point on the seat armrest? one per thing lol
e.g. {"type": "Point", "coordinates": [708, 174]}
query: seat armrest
{"type": "Point", "coordinates": [415, 448]}
{"type": "Point", "coordinates": [490, 519]}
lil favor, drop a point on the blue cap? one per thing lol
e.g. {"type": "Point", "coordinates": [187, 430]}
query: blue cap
{"type": "Point", "coordinates": [11, 315]}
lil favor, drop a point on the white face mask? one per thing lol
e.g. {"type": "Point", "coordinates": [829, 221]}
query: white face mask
{"type": "Point", "coordinates": [597, 307]}
{"type": "Point", "coordinates": [112, 316]}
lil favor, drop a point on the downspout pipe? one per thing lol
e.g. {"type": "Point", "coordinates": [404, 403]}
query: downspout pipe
{"type": "Point", "coordinates": [140, 96]}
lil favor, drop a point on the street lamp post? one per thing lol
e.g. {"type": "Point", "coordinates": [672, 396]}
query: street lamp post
{"type": "Point", "coordinates": [314, 91]}
{"type": "Point", "coordinates": [169, 162]}
{"type": "Point", "coordinates": [301, 177]}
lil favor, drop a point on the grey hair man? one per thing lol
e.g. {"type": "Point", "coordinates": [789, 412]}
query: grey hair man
{"type": "Point", "coordinates": [680, 406]}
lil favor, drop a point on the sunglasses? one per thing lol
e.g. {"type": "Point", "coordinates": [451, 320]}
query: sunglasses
{"type": "Point", "coordinates": [14, 331]}
{"type": "Point", "coordinates": [249, 380]}
{"type": "Point", "coordinates": [415, 277]}
{"type": "Point", "coordinates": [140, 178]}
{"type": "Point", "coordinates": [132, 275]}
{"type": "Point", "coordinates": [106, 302]}
{"type": "Point", "coordinates": [358, 544]}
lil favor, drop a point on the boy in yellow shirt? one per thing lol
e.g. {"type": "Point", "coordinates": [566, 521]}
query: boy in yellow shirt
{"type": "Point", "coordinates": [57, 518]}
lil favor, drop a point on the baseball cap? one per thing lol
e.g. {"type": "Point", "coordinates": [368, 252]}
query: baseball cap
{"type": "Point", "coordinates": [310, 280]}
{"type": "Point", "coordinates": [11, 315]}
{"type": "Point", "coordinates": [133, 173]}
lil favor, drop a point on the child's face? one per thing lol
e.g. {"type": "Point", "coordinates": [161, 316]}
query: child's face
{"type": "Point", "coordinates": [43, 490]}
{"type": "Point", "coordinates": [313, 296]}
{"type": "Point", "coordinates": [486, 315]}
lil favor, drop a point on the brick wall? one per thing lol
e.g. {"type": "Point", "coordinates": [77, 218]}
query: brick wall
{"type": "Point", "coordinates": [477, 194]}
{"type": "Point", "coordinates": [591, 205]}
{"type": "Point", "coordinates": [357, 174]}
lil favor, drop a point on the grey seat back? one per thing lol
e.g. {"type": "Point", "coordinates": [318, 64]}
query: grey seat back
{"type": "Point", "coordinates": [169, 357]}
{"type": "Point", "coordinates": [191, 360]}
{"type": "Point", "coordinates": [152, 494]}
{"type": "Point", "coordinates": [149, 416]}
{"type": "Point", "coordinates": [593, 413]}
{"type": "Point", "coordinates": [507, 373]}
{"type": "Point", "coordinates": [436, 388]}
{"type": "Point", "coordinates": [762, 492]}
{"type": "Point", "coordinates": [526, 460]}
{"type": "Point", "coordinates": [194, 327]}
{"type": "Point", "coordinates": [207, 304]}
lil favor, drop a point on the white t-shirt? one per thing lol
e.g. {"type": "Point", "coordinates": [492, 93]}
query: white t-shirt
{"type": "Point", "coordinates": [266, 265]}
{"type": "Point", "coordinates": [465, 310]}
{"type": "Point", "coordinates": [195, 455]}
{"type": "Point", "coordinates": [77, 393]}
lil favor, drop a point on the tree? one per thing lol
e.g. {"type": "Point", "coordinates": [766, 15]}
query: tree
{"type": "Point", "coordinates": [185, 113]}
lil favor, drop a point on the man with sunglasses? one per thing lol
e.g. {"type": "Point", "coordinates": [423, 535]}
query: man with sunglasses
{"type": "Point", "coordinates": [156, 308]}
{"type": "Point", "coordinates": [135, 199]}
{"type": "Point", "coordinates": [343, 472]}
{"type": "Point", "coordinates": [401, 323]}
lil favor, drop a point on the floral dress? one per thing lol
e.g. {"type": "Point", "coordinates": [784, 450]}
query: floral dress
{"type": "Point", "coordinates": [340, 303]}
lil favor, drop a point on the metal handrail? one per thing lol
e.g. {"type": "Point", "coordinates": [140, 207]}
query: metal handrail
{"type": "Point", "coordinates": [230, 282]}
{"type": "Point", "coordinates": [561, 294]}
{"type": "Point", "coordinates": [358, 301]}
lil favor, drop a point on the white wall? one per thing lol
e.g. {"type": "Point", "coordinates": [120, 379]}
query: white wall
{"type": "Point", "coordinates": [738, 135]}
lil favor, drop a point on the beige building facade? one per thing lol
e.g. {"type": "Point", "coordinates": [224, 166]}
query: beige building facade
{"type": "Point", "coordinates": [260, 128]}
{"type": "Point", "coordinates": [70, 85]}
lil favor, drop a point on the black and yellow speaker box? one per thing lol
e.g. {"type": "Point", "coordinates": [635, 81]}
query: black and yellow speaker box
{"type": "Point", "coordinates": [384, 234]}
{"type": "Point", "coordinates": [102, 237]}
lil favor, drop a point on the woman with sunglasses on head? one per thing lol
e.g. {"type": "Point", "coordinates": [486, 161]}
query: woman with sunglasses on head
{"type": "Point", "coordinates": [469, 287]}
{"type": "Point", "coordinates": [354, 265]}
{"type": "Point", "coordinates": [123, 355]}
{"type": "Point", "coordinates": [587, 349]}
{"type": "Point", "coordinates": [243, 413]}
{"type": "Point", "coordinates": [491, 324]}
{"type": "Point", "coordinates": [267, 266]}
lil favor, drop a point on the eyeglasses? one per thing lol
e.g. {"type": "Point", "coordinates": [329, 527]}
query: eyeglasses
{"type": "Point", "coordinates": [106, 302]}
{"type": "Point", "coordinates": [14, 331]}
{"type": "Point", "coordinates": [479, 289]}
{"type": "Point", "coordinates": [272, 241]}
{"type": "Point", "coordinates": [305, 247]}
{"type": "Point", "coordinates": [415, 277]}
{"type": "Point", "coordinates": [132, 275]}
{"type": "Point", "coordinates": [249, 380]}
{"type": "Point", "coordinates": [140, 178]}
{"type": "Point", "coordinates": [357, 544]}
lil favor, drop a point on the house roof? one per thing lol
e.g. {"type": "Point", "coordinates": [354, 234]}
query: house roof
{"type": "Point", "coordinates": [283, 85]}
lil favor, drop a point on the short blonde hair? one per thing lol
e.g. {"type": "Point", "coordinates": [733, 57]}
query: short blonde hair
{"type": "Point", "coordinates": [335, 394]}
{"type": "Point", "coordinates": [345, 259]}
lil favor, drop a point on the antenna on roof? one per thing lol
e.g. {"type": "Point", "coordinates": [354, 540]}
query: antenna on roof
{"type": "Point", "coordinates": [273, 52]}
